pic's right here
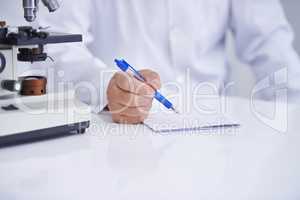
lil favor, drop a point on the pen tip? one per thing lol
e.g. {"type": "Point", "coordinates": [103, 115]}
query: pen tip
{"type": "Point", "coordinates": [176, 111]}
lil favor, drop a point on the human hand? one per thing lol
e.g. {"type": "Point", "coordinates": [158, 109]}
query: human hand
{"type": "Point", "coordinates": [129, 100]}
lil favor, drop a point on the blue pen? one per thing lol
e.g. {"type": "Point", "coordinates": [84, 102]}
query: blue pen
{"type": "Point", "coordinates": [124, 66]}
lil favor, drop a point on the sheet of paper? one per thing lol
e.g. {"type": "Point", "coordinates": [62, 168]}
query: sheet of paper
{"type": "Point", "coordinates": [172, 122]}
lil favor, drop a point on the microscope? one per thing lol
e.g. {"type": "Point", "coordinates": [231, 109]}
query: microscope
{"type": "Point", "coordinates": [27, 111]}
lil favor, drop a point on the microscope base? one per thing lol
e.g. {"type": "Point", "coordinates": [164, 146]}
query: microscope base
{"type": "Point", "coordinates": [30, 119]}
{"type": "Point", "coordinates": [43, 134]}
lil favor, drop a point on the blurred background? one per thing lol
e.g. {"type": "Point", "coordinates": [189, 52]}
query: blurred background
{"type": "Point", "coordinates": [292, 12]}
{"type": "Point", "coordinates": [241, 74]}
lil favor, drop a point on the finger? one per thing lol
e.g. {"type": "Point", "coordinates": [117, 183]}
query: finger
{"type": "Point", "coordinates": [152, 78]}
{"type": "Point", "coordinates": [127, 120]}
{"type": "Point", "coordinates": [116, 108]}
{"type": "Point", "coordinates": [129, 83]}
{"type": "Point", "coordinates": [117, 95]}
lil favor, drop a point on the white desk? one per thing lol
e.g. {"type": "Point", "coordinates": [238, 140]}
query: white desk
{"type": "Point", "coordinates": [130, 162]}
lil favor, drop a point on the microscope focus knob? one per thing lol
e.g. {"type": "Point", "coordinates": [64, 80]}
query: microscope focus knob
{"type": "Point", "coordinates": [2, 62]}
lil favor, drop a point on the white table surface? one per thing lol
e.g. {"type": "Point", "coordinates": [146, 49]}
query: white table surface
{"type": "Point", "coordinates": [130, 162]}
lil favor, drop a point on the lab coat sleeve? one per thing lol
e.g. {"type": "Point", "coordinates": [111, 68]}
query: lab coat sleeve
{"type": "Point", "coordinates": [75, 65]}
{"type": "Point", "coordinates": [264, 40]}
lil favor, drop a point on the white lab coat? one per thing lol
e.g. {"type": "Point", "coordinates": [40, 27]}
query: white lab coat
{"type": "Point", "coordinates": [172, 37]}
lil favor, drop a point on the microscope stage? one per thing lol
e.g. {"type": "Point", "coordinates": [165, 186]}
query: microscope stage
{"type": "Point", "coordinates": [53, 38]}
